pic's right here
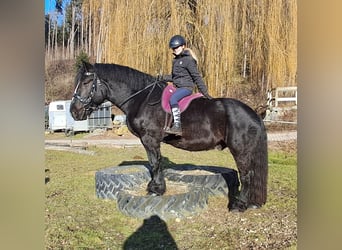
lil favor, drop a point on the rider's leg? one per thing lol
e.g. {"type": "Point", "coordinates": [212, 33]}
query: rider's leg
{"type": "Point", "coordinates": [177, 96]}
{"type": "Point", "coordinates": [176, 127]}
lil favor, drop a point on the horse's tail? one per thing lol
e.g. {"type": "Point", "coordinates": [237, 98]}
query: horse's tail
{"type": "Point", "coordinates": [259, 167]}
{"type": "Point", "coordinates": [246, 138]}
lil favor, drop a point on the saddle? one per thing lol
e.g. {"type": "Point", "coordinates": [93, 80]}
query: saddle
{"type": "Point", "coordinates": [183, 103]}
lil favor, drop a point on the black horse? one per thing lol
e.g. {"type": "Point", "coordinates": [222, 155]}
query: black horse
{"type": "Point", "coordinates": [206, 124]}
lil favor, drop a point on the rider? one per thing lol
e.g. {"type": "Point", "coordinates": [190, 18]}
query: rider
{"type": "Point", "coordinates": [185, 76]}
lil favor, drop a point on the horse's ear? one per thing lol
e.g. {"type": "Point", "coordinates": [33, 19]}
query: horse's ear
{"type": "Point", "coordinates": [87, 66]}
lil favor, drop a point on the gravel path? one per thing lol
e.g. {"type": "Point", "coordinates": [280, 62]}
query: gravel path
{"type": "Point", "coordinates": [282, 136]}
{"type": "Point", "coordinates": [81, 144]}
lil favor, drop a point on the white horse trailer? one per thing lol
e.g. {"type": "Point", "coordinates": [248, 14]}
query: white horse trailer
{"type": "Point", "coordinates": [60, 118]}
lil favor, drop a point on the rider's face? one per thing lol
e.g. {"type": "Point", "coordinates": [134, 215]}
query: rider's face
{"type": "Point", "coordinates": [178, 50]}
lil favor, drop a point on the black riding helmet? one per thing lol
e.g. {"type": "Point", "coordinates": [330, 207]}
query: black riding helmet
{"type": "Point", "coordinates": [176, 41]}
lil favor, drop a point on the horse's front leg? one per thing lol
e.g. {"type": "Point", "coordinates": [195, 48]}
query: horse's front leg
{"type": "Point", "coordinates": [157, 184]}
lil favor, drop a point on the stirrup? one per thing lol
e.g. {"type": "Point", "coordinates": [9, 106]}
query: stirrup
{"type": "Point", "coordinates": [174, 130]}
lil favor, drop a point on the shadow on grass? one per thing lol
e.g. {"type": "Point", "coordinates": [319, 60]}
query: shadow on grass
{"type": "Point", "coordinates": [153, 234]}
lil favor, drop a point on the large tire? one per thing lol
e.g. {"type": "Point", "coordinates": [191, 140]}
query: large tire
{"type": "Point", "coordinates": [110, 181]}
{"type": "Point", "coordinates": [166, 206]}
{"type": "Point", "coordinates": [219, 182]}
{"type": "Point", "coordinates": [115, 182]}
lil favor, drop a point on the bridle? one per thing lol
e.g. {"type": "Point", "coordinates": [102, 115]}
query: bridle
{"type": "Point", "coordinates": [86, 101]}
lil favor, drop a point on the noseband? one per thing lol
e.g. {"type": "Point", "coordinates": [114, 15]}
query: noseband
{"type": "Point", "coordinates": [86, 101]}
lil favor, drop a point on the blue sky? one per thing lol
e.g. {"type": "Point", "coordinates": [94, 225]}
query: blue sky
{"type": "Point", "coordinates": [50, 5]}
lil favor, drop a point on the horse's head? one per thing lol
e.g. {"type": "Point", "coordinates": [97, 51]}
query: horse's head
{"type": "Point", "coordinates": [84, 100]}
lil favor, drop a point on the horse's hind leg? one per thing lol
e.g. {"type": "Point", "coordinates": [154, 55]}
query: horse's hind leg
{"type": "Point", "coordinates": [251, 160]}
{"type": "Point", "coordinates": [241, 201]}
{"type": "Point", "coordinates": [233, 183]}
{"type": "Point", "coordinates": [157, 184]}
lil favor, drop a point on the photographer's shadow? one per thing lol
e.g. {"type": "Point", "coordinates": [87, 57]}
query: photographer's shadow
{"type": "Point", "coordinates": [153, 234]}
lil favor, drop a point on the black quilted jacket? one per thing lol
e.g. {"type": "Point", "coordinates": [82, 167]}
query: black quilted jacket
{"type": "Point", "coordinates": [186, 74]}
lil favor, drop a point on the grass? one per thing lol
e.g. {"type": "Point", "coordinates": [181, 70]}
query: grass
{"type": "Point", "coordinates": [76, 219]}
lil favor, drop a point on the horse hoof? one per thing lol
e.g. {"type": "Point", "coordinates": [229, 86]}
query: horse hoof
{"type": "Point", "coordinates": [253, 206]}
{"type": "Point", "coordinates": [234, 210]}
{"type": "Point", "coordinates": [157, 192]}
{"type": "Point", "coordinates": [152, 194]}
{"type": "Point", "coordinates": [237, 208]}
{"type": "Point", "coordinates": [153, 188]}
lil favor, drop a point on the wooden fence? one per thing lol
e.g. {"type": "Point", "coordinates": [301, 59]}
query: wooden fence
{"type": "Point", "coordinates": [280, 100]}
{"type": "Point", "coordinates": [282, 97]}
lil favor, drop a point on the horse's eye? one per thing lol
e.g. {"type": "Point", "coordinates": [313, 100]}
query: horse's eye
{"type": "Point", "coordinates": [87, 81]}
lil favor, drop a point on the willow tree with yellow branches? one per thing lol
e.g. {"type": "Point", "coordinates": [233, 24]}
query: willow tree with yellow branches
{"type": "Point", "coordinates": [238, 42]}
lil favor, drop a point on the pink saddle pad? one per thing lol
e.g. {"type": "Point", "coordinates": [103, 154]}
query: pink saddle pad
{"type": "Point", "coordinates": [183, 103]}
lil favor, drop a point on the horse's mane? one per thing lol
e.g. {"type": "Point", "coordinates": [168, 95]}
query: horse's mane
{"type": "Point", "coordinates": [135, 78]}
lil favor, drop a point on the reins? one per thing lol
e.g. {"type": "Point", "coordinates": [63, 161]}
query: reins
{"type": "Point", "coordinates": [86, 101]}
{"type": "Point", "coordinates": [137, 93]}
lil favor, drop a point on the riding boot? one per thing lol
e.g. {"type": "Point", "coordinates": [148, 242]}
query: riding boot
{"type": "Point", "coordinates": [176, 127]}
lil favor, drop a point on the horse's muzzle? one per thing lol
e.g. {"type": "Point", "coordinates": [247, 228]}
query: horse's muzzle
{"type": "Point", "coordinates": [78, 112]}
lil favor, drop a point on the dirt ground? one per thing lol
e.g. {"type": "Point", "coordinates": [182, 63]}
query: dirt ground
{"type": "Point", "coordinates": [278, 139]}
